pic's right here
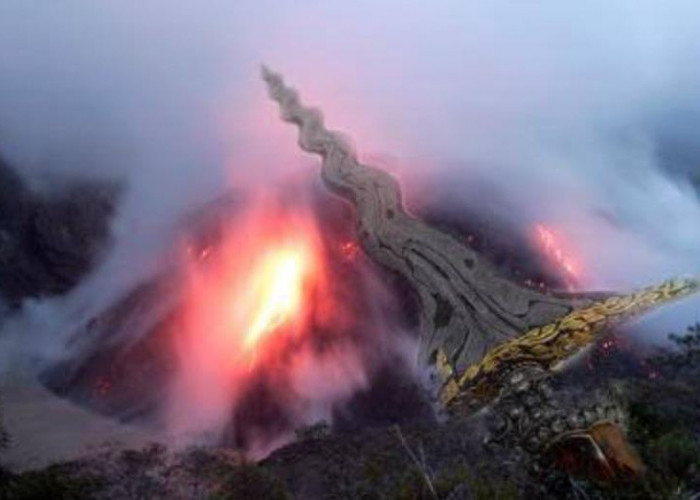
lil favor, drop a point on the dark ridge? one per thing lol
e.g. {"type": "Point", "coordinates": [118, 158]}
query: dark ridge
{"type": "Point", "coordinates": [49, 242]}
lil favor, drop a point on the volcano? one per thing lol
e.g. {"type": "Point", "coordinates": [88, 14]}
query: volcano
{"type": "Point", "coordinates": [259, 296]}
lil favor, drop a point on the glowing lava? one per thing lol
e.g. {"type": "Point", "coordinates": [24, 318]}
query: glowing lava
{"type": "Point", "coordinates": [554, 250]}
{"type": "Point", "coordinates": [254, 291]}
{"type": "Point", "coordinates": [279, 283]}
{"type": "Point", "coordinates": [248, 309]}
{"type": "Point", "coordinates": [269, 337]}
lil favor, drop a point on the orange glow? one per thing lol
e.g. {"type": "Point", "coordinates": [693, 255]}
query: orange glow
{"type": "Point", "coordinates": [278, 283]}
{"type": "Point", "coordinates": [554, 250]}
{"type": "Point", "coordinates": [254, 291]}
{"type": "Point", "coordinates": [349, 250]}
{"type": "Point", "coordinates": [260, 313]}
{"type": "Point", "coordinates": [250, 300]}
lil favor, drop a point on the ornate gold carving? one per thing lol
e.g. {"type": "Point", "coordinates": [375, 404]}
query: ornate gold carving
{"type": "Point", "coordinates": [553, 343]}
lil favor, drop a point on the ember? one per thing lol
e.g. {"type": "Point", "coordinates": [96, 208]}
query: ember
{"type": "Point", "coordinates": [349, 250]}
{"type": "Point", "coordinates": [101, 387]}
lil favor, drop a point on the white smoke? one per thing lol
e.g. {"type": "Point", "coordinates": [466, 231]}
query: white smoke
{"type": "Point", "coordinates": [568, 107]}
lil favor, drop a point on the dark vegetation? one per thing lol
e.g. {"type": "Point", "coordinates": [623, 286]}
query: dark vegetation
{"type": "Point", "coordinates": [4, 440]}
{"type": "Point", "coordinates": [414, 462]}
{"type": "Point", "coordinates": [664, 410]}
{"type": "Point", "coordinates": [665, 421]}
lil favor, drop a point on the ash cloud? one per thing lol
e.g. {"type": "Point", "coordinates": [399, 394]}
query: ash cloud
{"type": "Point", "coordinates": [581, 114]}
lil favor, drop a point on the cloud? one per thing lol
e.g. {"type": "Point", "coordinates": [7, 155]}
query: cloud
{"type": "Point", "coordinates": [570, 109]}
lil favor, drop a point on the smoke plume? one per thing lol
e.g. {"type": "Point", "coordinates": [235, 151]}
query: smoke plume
{"type": "Point", "coordinates": [579, 117]}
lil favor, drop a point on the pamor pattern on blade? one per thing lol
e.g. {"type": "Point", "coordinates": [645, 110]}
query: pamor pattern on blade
{"type": "Point", "coordinates": [551, 344]}
{"type": "Point", "coordinates": [466, 307]}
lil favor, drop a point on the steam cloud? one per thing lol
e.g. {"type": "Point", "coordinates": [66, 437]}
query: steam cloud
{"type": "Point", "coordinates": [580, 116]}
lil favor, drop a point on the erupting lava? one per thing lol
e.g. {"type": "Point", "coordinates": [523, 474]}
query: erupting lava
{"type": "Point", "coordinates": [278, 283]}
{"type": "Point", "coordinates": [553, 249]}
{"type": "Point", "coordinates": [254, 292]}
{"type": "Point", "coordinates": [264, 326]}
